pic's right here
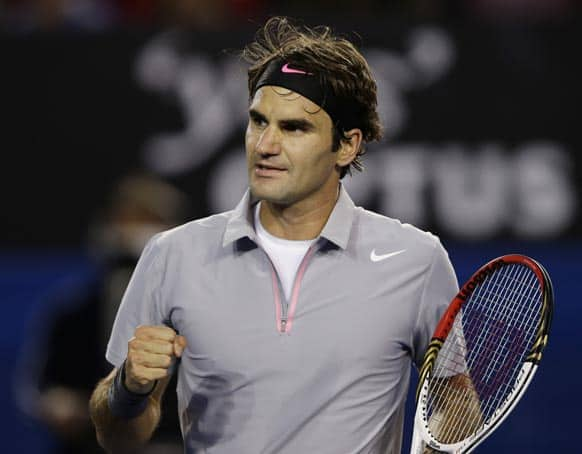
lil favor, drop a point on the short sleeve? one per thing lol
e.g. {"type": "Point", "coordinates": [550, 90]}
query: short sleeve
{"type": "Point", "coordinates": [141, 303]}
{"type": "Point", "coordinates": [440, 286]}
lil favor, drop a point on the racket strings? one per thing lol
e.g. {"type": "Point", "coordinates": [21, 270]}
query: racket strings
{"type": "Point", "coordinates": [464, 396]}
{"type": "Point", "coordinates": [467, 393]}
{"type": "Point", "coordinates": [493, 339]}
{"type": "Point", "coordinates": [482, 356]}
{"type": "Point", "coordinates": [493, 379]}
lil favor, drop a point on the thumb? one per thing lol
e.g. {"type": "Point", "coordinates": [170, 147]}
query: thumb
{"type": "Point", "coordinates": [179, 345]}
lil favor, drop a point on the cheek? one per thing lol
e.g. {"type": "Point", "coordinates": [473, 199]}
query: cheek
{"type": "Point", "coordinates": [250, 141]}
{"type": "Point", "coordinates": [315, 166]}
{"type": "Point", "coordinates": [325, 158]}
{"type": "Point", "coordinates": [248, 136]}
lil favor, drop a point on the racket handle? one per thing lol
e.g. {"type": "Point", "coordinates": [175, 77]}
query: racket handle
{"type": "Point", "coordinates": [417, 443]}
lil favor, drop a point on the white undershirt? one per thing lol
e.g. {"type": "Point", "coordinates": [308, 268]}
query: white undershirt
{"type": "Point", "coordinates": [286, 255]}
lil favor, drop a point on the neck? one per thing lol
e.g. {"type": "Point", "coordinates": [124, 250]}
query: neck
{"type": "Point", "coordinates": [297, 222]}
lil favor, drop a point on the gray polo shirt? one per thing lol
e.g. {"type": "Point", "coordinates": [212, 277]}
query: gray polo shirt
{"type": "Point", "coordinates": [326, 371]}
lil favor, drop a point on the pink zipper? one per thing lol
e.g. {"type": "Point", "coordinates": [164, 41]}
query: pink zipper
{"type": "Point", "coordinates": [284, 323]}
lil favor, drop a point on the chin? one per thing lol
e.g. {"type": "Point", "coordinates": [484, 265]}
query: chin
{"type": "Point", "coordinates": [270, 196]}
{"type": "Point", "coordinates": [261, 190]}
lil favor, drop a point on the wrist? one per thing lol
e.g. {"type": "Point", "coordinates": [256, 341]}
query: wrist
{"type": "Point", "coordinates": [124, 403]}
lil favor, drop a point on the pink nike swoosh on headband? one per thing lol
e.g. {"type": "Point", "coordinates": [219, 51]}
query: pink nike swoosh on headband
{"type": "Point", "coordinates": [286, 69]}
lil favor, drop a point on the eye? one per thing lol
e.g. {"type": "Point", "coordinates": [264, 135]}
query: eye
{"type": "Point", "coordinates": [294, 128]}
{"type": "Point", "coordinates": [258, 121]}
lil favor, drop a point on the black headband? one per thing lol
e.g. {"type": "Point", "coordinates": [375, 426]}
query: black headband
{"type": "Point", "coordinates": [313, 87]}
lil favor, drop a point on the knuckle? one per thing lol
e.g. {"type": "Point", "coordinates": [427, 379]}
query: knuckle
{"type": "Point", "coordinates": [136, 359]}
{"type": "Point", "coordinates": [143, 331]}
{"type": "Point", "coordinates": [167, 331]}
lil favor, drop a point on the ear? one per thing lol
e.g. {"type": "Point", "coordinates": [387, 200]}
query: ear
{"type": "Point", "coordinates": [349, 149]}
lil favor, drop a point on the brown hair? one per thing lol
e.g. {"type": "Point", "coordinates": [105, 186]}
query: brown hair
{"type": "Point", "coordinates": [334, 59]}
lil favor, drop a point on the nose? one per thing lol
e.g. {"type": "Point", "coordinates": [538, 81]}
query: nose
{"type": "Point", "coordinates": [269, 142]}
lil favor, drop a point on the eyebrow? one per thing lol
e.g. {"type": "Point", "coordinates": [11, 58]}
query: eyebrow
{"type": "Point", "coordinates": [290, 123]}
{"type": "Point", "coordinates": [256, 115]}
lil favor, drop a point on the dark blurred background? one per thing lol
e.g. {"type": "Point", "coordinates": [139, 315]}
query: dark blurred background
{"type": "Point", "coordinates": [480, 101]}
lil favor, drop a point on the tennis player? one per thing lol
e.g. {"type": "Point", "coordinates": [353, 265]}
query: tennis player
{"type": "Point", "coordinates": [292, 320]}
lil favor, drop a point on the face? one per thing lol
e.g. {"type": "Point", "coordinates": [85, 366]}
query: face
{"type": "Point", "coordinates": [289, 149]}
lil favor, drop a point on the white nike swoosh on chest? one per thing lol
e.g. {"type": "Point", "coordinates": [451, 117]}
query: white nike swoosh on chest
{"type": "Point", "coordinates": [378, 258]}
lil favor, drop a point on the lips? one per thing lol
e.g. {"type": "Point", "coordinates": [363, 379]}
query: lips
{"type": "Point", "coordinates": [268, 170]}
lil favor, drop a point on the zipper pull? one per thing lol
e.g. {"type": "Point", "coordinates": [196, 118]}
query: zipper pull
{"type": "Point", "coordinates": [283, 325]}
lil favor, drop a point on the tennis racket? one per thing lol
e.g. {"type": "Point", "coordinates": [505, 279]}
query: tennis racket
{"type": "Point", "coordinates": [483, 355]}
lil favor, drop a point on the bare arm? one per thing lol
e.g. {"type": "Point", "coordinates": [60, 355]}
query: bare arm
{"type": "Point", "coordinates": [150, 355]}
{"type": "Point", "coordinates": [117, 435]}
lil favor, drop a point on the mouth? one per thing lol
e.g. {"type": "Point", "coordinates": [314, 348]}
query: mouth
{"type": "Point", "coordinates": [268, 170]}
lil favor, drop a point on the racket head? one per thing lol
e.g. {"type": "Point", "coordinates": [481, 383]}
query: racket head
{"type": "Point", "coordinates": [484, 351]}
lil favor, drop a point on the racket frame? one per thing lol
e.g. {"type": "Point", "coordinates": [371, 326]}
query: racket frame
{"type": "Point", "coordinates": [421, 428]}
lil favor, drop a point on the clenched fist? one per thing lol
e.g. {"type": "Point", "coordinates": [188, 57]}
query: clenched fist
{"type": "Point", "coordinates": [151, 352]}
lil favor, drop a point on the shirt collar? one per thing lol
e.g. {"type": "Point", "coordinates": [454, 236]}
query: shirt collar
{"type": "Point", "coordinates": [240, 224]}
{"type": "Point", "coordinates": [337, 228]}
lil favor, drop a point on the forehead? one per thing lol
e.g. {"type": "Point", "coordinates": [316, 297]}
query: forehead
{"type": "Point", "coordinates": [282, 103]}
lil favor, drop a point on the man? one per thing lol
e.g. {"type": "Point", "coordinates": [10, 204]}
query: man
{"type": "Point", "coordinates": [294, 317]}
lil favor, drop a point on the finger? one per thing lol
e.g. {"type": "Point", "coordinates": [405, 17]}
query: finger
{"type": "Point", "coordinates": [179, 345]}
{"type": "Point", "coordinates": [159, 332]}
{"type": "Point", "coordinates": [148, 359]}
{"type": "Point", "coordinates": [153, 373]}
{"type": "Point", "coordinates": [152, 346]}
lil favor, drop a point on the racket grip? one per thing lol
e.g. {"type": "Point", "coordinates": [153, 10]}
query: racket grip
{"type": "Point", "coordinates": [417, 443]}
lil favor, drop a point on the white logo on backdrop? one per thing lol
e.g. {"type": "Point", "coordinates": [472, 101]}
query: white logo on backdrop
{"type": "Point", "coordinates": [471, 192]}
